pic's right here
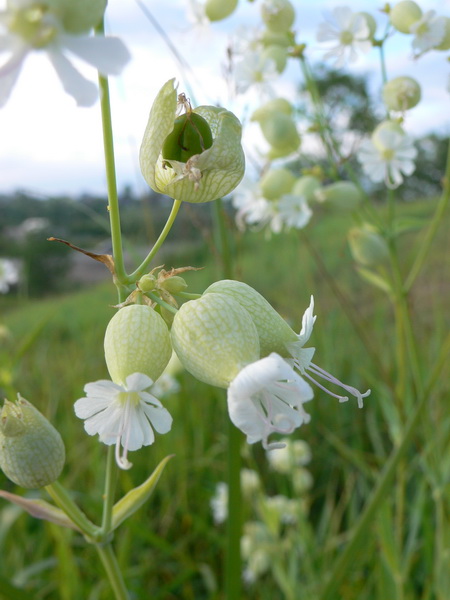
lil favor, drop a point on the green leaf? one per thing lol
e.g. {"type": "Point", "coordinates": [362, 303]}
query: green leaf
{"type": "Point", "coordinates": [375, 279]}
{"type": "Point", "coordinates": [11, 592]}
{"type": "Point", "coordinates": [136, 497]}
{"type": "Point", "coordinates": [40, 509]}
{"type": "Point", "coordinates": [407, 224]}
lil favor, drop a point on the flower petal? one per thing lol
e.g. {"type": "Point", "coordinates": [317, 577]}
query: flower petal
{"type": "Point", "coordinates": [107, 54]}
{"type": "Point", "coordinates": [84, 91]}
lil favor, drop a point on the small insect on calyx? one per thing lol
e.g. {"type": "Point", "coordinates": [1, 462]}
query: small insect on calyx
{"type": "Point", "coordinates": [191, 135]}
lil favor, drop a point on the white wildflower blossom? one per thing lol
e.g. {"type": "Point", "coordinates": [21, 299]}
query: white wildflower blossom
{"type": "Point", "coordinates": [429, 31]}
{"type": "Point", "coordinates": [267, 397]}
{"type": "Point", "coordinates": [294, 454]}
{"type": "Point", "coordinates": [302, 361]}
{"type": "Point", "coordinates": [27, 26]}
{"type": "Point", "coordinates": [9, 275]}
{"type": "Point", "coordinates": [294, 211]}
{"type": "Point", "coordinates": [349, 33]}
{"type": "Point", "coordinates": [389, 159]}
{"type": "Point", "coordinates": [219, 503]}
{"type": "Point", "coordinates": [255, 70]}
{"type": "Point", "coordinates": [123, 415]}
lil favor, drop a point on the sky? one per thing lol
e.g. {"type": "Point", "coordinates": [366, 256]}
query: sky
{"type": "Point", "coordinates": [49, 146]}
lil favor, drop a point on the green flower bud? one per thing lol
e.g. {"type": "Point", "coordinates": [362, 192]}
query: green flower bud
{"type": "Point", "coordinates": [367, 246]}
{"type": "Point", "coordinates": [306, 186]}
{"type": "Point", "coordinates": [343, 195]}
{"type": "Point", "coordinates": [273, 331]}
{"type": "Point", "coordinates": [281, 133]}
{"type": "Point", "coordinates": [370, 21]}
{"type": "Point", "coordinates": [174, 284]}
{"type": "Point", "coordinates": [136, 341]}
{"type": "Point", "coordinates": [276, 53]}
{"type": "Point", "coordinates": [216, 10]}
{"type": "Point", "coordinates": [268, 38]}
{"type": "Point", "coordinates": [202, 177]}
{"type": "Point", "coordinates": [404, 14]}
{"type": "Point", "coordinates": [277, 105]}
{"type": "Point", "coordinates": [79, 16]}
{"type": "Point", "coordinates": [276, 183]}
{"type": "Point", "coordinates": [278, 15]}
{"type": "Point", "coordinates": [32, 452]}
{"type": "Point", "coordinates": [445, 44]}
{"type": "Point", "coordinates": [214, 338]}
{"type": "Point", "coordinates": [401, 93]}
{"type": "Point", "coordinates": [147, 283]}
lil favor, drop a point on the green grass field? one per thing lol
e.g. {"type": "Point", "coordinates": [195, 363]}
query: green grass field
{"type": "Point", "coordinates": [172, 549]}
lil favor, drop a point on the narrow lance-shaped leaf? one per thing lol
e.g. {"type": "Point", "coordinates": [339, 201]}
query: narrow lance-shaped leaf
{"type": "Point", "coordinates": [136, 497]}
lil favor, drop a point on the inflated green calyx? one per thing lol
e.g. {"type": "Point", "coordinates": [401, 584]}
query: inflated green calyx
{"type": "Point", "coordinates": [191, 135]}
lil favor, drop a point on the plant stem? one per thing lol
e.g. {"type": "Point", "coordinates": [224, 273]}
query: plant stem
{"type": "Point", "coordinates": [62, 499]}
{"type": "Point", "coordinates": [112, 569]}
{"type": "Point", "coordinates": [108, 496]}
{"type": "Point", "coordinates": [137, 274]}
{"type": "Point", "coordinates": [113, 200]}
{"type": "Point", "coordinates": [233, 573]}
{"type": "Point", "coordinates": [162, 302]}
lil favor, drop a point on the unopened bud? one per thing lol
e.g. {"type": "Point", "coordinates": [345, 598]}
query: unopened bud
{"type": "Point", "coordinates": [278, 54]}
{"type": "Point", "coordinates": [404, 14]}
{"type": "Point", "coordinates": [342, 195]}
{"type": "Point", "coordinates": [278, 15]}
{"type": "Point", "coordinates": [367, 246]}
{"type": "Point", "coordinates": [174, 284]}
{"type": "Point", "coordinates": [216, 10]}
{"type": "Point", "coordinates": [32, 452]}
{"type": "Point", "coordinates": [306, 186]}
{"type": "Point", "coordinates": [147, 283]}
{"type": "Point", "coordinates": [276, 183]}
{"type": "Point", "coordinates": [401, 93]}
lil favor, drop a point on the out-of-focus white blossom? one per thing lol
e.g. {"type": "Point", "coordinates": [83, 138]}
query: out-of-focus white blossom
{"type": "Point", "coordinates": [348, 32]}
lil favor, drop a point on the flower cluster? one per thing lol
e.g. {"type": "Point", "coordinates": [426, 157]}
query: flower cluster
{"type": "Point", "coordinates": [60, 28]}
{"type": "Point", "coordinates": [231, 338]}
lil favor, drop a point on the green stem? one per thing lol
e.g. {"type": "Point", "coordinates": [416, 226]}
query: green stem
{"type": "Point", "coordinates": [433, 227]}
{"type": "Point", "coordinates": [233, 573]}
{"type": "Point", "coordinates": [162, 302]}
{"type": "Point", "coordinates": [62, 499]}
{"type": "Point", "coordinates": [108, 496]}
{"type": "Point", "coordinates": [137, 274]}
{"type": "Point", "coordinates": [112, 569]}
{"type": "Point", "coordinates": [113, 200]}
{"type": "Point", "coordinates": [188, 295]}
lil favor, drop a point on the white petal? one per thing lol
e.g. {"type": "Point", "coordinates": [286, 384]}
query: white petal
{"type": "Point", "coordinates": [138, 382]}
{"type": "Point", "coordinates": [160, 418]}
{"type": "Point", "coordinates": [86, 407]}
{"type": "Point", "coordinates": [103, 388]}
{"type": "Point", "coordinates": [84, 91]}
{"type": "Point", "coordinates": [308, 321]}
{"type": "Point", "coordinates": [266, 397]}
{"type": "Point", "coordinates": [133, 438]}
{"type": "Point", "coordinates": [107, 54]}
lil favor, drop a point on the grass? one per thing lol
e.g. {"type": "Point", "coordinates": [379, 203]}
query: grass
{"type": "Point", "coordinates": [171, 548]}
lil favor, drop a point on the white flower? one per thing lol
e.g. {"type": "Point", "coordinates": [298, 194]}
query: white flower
{"type": "Point", "coordinates": [349, 32]}
{"type": "Point", "coordinates": [267, 396]}
{"type": "Point", "coordinates": [428, 31]}
{"type": "Point", "coordinates": [294, 211]}
{"type": "Point", "coordinates": [9, 275]}
{"type": "Point", "coordinates": [255, 70]}
{"type": "Point", "coordinates": [166, 385]}
{"type": "Point", "coordinates": [123, 415]}
{"type": "Point", "coordinates": [254, 210]}
{"type": "Point", "coordinates": [28, 26]}
{"type": "Point", "coordinates": [294, 454]}
{"type": "Point", "coordinates": [302, 358]}
{"type": "Point", "coordinates": [388, 159]}
{"type": "Point", "coordinates": [219, 503]}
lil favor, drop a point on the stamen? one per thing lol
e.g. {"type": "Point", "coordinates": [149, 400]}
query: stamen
{"type": "Point", "coordinates": [328, 377]}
